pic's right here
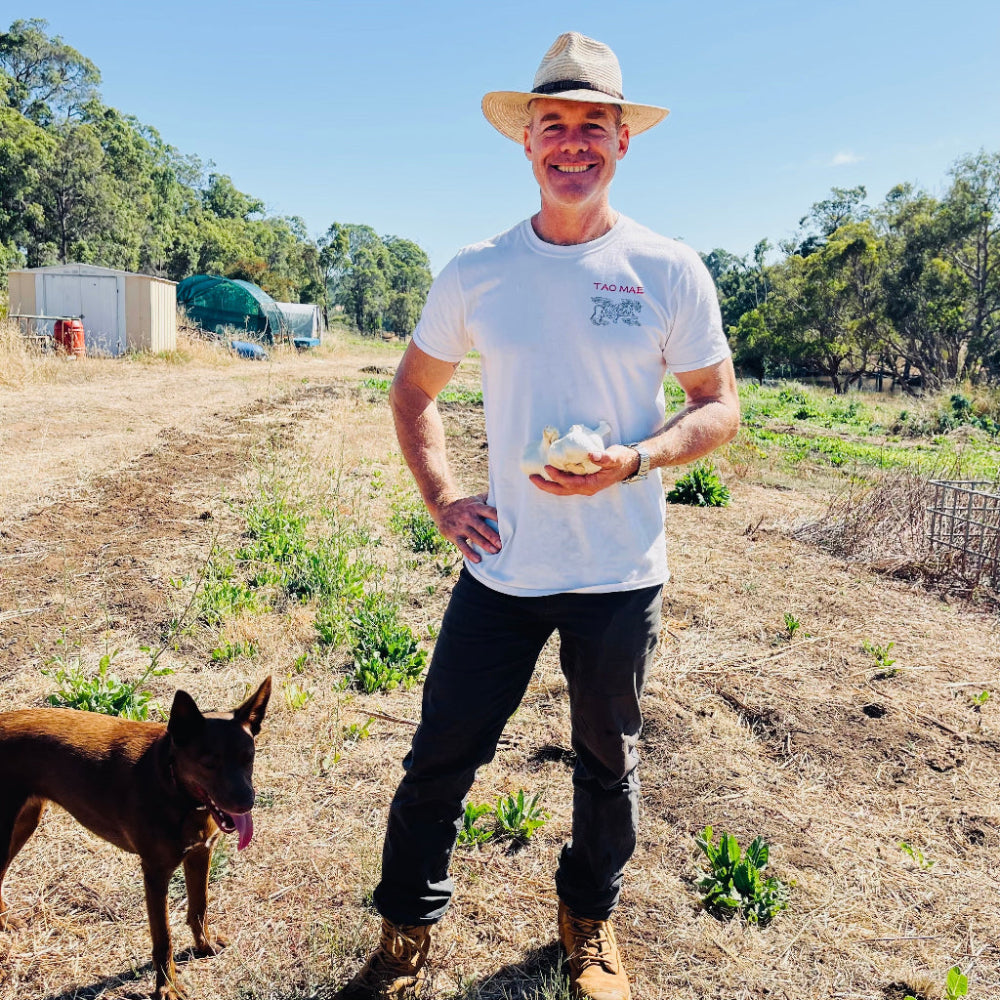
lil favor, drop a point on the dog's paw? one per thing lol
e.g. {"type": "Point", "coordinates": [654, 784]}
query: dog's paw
{"type": "Point", "coordinates": [170, 992]}
{"type": "Point", "coordinates": [210, 945]}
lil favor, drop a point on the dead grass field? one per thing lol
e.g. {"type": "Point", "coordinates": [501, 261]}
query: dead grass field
{"type": "Point", "coordinates": [117, 478]}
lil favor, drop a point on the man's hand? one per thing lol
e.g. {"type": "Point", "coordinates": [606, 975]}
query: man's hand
{"type": "Point", "coordinates": [463, 523]}
{"type": "Point", "coordinates": [617, 463]}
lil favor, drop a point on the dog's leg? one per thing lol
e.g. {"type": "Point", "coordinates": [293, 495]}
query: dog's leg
{"type": "Point", "coordinates": [156, 881]}
{"type": "Point", "coordinates": [19, 818]}
{"type": "Point", "coordinates": [196, 865]}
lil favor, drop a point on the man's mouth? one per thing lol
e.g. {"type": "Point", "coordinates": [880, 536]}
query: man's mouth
{"type": "Point", "coordinates": [573, 168]}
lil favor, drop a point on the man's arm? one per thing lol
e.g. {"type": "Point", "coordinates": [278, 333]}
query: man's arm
{"type": "Point", "coordinates": [711, 417]}
{"type": "Point", "coordinates": [420, 432]}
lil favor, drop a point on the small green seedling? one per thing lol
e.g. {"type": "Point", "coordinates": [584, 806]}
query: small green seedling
{"type": "Point", "coordinates": [917, 855]}
{"type": "Point", "coordinates": [518, 817]}
{"type": "Point", "coordinates": [979, 700]}
{"type": "Point", "coordinates": [296, 697]}
{"type": "Point", "coordinates": [735, 884]}
{"type": "Point", "coordinates": [792, 625]}
{"type": "Point", "coordinates": [471, 834]}
{"type": "Point", "coordinates": [354, 733]}
{"type": "Point", "coordinates": [880, 654]}
{"type": "Point", "coordinates": [956, 985]}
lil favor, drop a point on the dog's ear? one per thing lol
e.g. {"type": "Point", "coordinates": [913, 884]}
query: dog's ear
{"type": "Point", "coordinates": [186, 721]}
{"type": "Point", "coordinates": [251, 712]}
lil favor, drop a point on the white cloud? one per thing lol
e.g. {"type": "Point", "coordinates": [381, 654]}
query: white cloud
{"type": "Point", "coordinates": [844, 158]}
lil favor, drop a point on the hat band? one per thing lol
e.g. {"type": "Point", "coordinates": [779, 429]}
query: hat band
{"type": "Point", "coordinates": [559, 86]}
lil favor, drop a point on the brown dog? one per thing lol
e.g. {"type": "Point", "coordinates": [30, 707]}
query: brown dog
{"type": "Point", "coordinates": [162, 792]}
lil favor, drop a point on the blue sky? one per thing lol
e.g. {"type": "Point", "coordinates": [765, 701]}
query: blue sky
{"type": "Point", "coordinates": [369, 112]}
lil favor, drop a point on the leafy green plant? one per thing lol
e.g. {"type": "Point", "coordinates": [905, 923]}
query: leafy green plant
{"type": "Point", "coordinates": [412, 522]}
{"type": "Point", "coordinates": [735, 883]}
{"type": "Point", "coordinates": [956, 985]}
{"type": "Point", "coordinates": [297, 697]}
{"type": "Point", "coordinates": [700, 487]}
{"type": "Point", "coordinates": [104, 692]}
{"type": "Point", "coordinates": [229, 652]}
{"type": "Point", "coordinates": [519, 817]}
{"type": "Point", "coordinates": [916, 854]}
{"type": "Point", "coordinates": [471, 834]}
{"type": "Point", "coordinates": [356, 732]}
{"type": "Point", "coordinates": [386, 654]}
{"type": "Point", "coordinates": [881, 657]}
{"type": "Point", "coordinates": [792, 625]}
{"type": "Point", "coordinates": [979, 700]}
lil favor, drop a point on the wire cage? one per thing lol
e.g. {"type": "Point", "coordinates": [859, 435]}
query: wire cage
{"type": "Point", "coordinates": [965, 519]}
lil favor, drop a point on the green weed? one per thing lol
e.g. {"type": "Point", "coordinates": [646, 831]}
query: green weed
{"type": "Point", "coordinates": [385, 651]}
{"type": "Point", "coordinates": [471, 834]}
{"type": "Point", "coordinates": [956, 985]}
{"type": "Point", "coordinates": [230, 652]}
{"type": "Point", "coordinates": [356, 732]}
{"type": "Point", "coordinates": [296, 697]}
{"type": "Point", "coordinates": [880, 656]}
{"type": "Point", "coordinates": [917, 855]}
{"type": "Point", "coordinates": [792, 625]}
{"type": "Point", "coordinates": [979, 700]}
{"type": "Point", "coordinates": [701, 487]}
{"type": "Point", "coordinates": [518, 817]}
{"type": "Point", "coordinates": [735, 883]}
{"type": "Point", "coordinates": [411, 521]}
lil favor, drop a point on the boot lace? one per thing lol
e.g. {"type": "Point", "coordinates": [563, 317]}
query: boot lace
{"type": "Point", "coordinates": [401, 953]}
{"type": "Point", "coordinates": [593, 941]}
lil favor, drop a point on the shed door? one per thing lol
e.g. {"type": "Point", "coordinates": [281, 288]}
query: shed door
{"type": "Point", "coordinates": [95, 296]}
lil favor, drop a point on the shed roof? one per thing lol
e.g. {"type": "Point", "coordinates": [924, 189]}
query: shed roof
{"type": "Point", "coordinates": [95, 269]}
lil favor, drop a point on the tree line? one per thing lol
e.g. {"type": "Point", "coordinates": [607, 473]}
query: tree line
{"type": "Point", "coordinates": [906, 290]}
{"type": "Point", "coordinates": [81, 181]}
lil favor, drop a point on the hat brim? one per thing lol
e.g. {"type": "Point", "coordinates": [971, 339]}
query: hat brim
{"type": "Point", "coordinates": [507, 110]}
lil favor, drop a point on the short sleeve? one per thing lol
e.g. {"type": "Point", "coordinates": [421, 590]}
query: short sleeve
{"type": "Point", "coordinates": [442, 332]}
{"type": "Point", "coordinates": [695, 338]}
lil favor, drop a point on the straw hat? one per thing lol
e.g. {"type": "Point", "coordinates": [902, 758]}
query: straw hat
{"type": "Point", "coordinates": [576, 68]}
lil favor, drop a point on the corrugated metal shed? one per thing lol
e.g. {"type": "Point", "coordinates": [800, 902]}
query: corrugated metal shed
{"type": "Point", "coordinates": [121, 310]}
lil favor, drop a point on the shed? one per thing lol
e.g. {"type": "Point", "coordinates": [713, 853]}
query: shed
{"type": "Point", "coordinates": [121, 310]}
{"type": "Point", "coordinates": [302, 319]}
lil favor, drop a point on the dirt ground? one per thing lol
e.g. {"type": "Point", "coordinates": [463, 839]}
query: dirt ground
{"type": "Point", "coordinates": [117, 480]}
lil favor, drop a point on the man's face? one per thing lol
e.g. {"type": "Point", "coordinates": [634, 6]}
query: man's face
{"type": "Point", "coordinates": [574, 147]}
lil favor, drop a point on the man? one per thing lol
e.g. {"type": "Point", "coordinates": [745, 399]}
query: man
{"type": "Point", "coordinates": [577, 314]}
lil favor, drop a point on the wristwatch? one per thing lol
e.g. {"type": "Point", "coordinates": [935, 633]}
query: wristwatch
{"type": "Point", "coordinates": [643, 471]}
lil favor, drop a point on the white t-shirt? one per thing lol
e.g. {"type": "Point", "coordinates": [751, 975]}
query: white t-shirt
{"type": "Point", "coordinates": [574, 335]}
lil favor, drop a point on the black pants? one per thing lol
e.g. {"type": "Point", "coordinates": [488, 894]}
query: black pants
{"type": "Point", "coordinates": [484, 658]}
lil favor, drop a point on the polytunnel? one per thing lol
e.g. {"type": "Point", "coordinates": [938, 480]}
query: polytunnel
{"type": "Point", "coordinates": [231, 307]}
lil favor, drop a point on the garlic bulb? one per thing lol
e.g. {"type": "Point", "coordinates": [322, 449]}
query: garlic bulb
{"type": "Point", "coordinates": [570, 453]}
{"type": "Point", "coordinates": [536, 455]}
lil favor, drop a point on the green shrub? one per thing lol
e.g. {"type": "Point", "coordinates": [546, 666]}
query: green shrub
{"type": "Point", "coordinates": [735, 885]}
{"type": "Point", "coordinates": [700, 487]}
{"type": "Point", "coordinates": [385, 650]}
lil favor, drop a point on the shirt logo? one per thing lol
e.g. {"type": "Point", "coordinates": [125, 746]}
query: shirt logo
{"type": "Point", "coordinates": [608, 311]}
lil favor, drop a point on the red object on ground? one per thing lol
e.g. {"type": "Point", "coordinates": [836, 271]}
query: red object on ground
{"type": "Point", "coordinates": [68, 334]}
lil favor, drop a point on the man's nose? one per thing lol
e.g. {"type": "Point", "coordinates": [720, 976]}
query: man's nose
{"type": "Point", "coordinates": [575, 139]}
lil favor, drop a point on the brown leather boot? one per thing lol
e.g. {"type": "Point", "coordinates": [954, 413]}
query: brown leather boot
{"type": "Point", "coordinates": [395, 969]}
{"type": "Point", "coordinates": [595, 966]}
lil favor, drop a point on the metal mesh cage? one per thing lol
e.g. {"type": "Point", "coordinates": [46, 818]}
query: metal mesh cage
{"type": "Point", "coordinates": [965, 519]}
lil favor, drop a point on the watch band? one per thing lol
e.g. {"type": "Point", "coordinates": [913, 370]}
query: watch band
{"type": "Point", "coordinates": [643, 471]}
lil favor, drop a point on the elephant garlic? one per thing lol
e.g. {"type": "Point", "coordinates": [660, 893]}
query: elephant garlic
{"type": "Point", "coordinates": [570, 453]}
{"type": "Point", "coordinates": [536, 455]}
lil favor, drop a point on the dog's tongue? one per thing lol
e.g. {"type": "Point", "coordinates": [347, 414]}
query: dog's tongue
{"type": "Point", "coordinates": [244, 827]}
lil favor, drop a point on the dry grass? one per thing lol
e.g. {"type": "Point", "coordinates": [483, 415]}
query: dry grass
{"type": "Point", "coordinates": [800, 740]}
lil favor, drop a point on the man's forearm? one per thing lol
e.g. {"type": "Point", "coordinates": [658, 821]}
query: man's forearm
{"type": "Point", "coordinates": [692, 433]}
{"type": "Point", "coordinates": [420, 432]}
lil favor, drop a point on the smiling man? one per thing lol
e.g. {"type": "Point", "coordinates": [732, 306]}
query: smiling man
{"type": "Point", "coordinates": [578, 314]}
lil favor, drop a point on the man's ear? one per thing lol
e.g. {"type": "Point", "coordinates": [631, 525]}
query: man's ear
{"type": "Point", "coordinates": [186, 721]}
{"type": "Point", "coordinates": [623, 139]}
{"type": "Point", "coordinates": [527, 141]}
{"type": "Point", "coordinates": [251, 713]}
